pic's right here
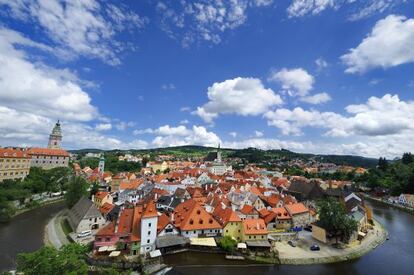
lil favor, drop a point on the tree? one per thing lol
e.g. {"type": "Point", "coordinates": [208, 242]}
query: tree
{"type": "Point", "coordinates": [227, 243]}
{"type": "Point", "coordinates": [333, 219]}
{"type": "Point", "coordinates": [407, 158]}
{"type": "Point", "coordinates": [77, 188]}
{"type": "Point", "coordinates": [382, 164]}
{"type": "Point", "coordinates": [48, 260]}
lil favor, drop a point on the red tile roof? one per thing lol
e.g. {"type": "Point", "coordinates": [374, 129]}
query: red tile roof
{"type": "Point", "coordinates": [13, 153]}
{"type": "Point", "coordinates": [190, 215]}
{"type": "Point", "coordinates": [150, 210]}
{"type": "Point", "coordinates": [107, 230]}
{"type": "Point", "coordinates": [136, 224]}
{"type": "Point", "coordinates": [106, 208]}
{"type": "Point", "coordinates": [296, 208]}
{"type": "Point", "coordinates": [125, 221]}
{"type": "Point", "coordinates": [101, 194]}
{"type": "Point", "coordinates": [48, 152]}
{"type": "Point", "coordinates": [226, 215]}
{"type": "Point", "coordinates": [247, 209]}
{"type": "Point", "coordinates": [254, 227]}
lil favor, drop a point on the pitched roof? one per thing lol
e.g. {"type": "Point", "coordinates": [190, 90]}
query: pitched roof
{"type": "Point", "coordinates": [125, 221]}
{"type": "Point", "coordinates": [83, 209]}
{"type": "Point", "coordinates": [296, 208]}
{"type": "Point", "coordinates": [48, 152]}
{"type": "Point", "coordinates": [254, 227]}
{"type": "Point", "coordinates": [108, 229]}
{"type": "Point", "coordinates": [189, 215]}
{"type": "Point", "coordinates": [13, 153]}
{"type": "Point", "coordinates": [136, 224]}
{"type": "Point", "coordinates": [163, 221]}
{"type": "Point", "coordinates": [150, 210]}
{"type": "Point", "coordinates": [131, 184]}
{"type": "Point", "coordinates": [247, 209]}
{"type": "Point", "coordinates": [101, 194]}
{"type": "Point", "coordinates": [106, 208]}
{"type": "Point", "coordinates": [225, 215]}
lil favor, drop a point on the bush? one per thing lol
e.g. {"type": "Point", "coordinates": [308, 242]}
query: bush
{"type": "Point", "coordinates": [227, 243]}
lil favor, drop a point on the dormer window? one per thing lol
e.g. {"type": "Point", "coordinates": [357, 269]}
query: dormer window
{"type": "Point", "coordinates": [191, 221]}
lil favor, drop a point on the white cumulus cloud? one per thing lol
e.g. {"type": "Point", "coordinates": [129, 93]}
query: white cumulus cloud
{"type": "Point", "coordinates": [389, 44]}
{"type": "Point", "coordinates": [242, 96]}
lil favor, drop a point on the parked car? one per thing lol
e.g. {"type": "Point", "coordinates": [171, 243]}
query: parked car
{"type": "Point", "coordinates": [84, 233]}
{"type": "Point", "coordinates": [292, 243]}
{"type": "Point", "coordinates": [315, 247]}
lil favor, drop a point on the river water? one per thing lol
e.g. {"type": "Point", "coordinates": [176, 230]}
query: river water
{"type": "Point", "coordinates": [395, 256]}
{"type": "Point", "coordinates": [24, 233]}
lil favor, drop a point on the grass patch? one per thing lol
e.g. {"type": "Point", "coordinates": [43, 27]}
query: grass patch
{"type": "Point", "coordinates": [66, 227]}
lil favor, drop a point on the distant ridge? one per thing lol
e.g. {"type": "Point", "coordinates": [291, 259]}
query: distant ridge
{"type": "Point", "coordinates": [252, 154]}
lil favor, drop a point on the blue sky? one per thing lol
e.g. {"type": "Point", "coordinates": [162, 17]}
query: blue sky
{"type": "Point", "coordinates": [332, 76]}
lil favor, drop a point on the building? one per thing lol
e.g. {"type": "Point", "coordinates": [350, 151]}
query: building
{"type": "Point", "coordinates": [14, 164]}
{"type": "Point", "coordinates": [194, 221]}
{"type": "Point", "coordinates": [149, 223]}
{"type": "Point", "coordinates": [84, 215]}
{"type": "Point", "coordinates": [300, 214]}
{"type": "Point", "coordinates": [254, 230]}
{"type": "Point", "coordinates": [53, 156]}
{"type": "Point", "coordinates": [55, 138]}
{"type": "Point", "coordinates": [231, 222]}
{"type": "Point", "coordinates": [102, 197]}
{"type": "Point", "coordinates": [101, 166]}
{"type": "Point", "coordinates": [48, 158]}
{"type": "Point", "coordinates": [406, 199]}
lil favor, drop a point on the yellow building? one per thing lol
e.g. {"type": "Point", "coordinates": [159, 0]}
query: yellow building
{"type": "Point", "coordinates": [254, 230]}
{"type": "Point", "coordinates": [159, 166]}
{"type": "Point", "coordinates": [14, 164]}
{"type": "Point", "coordinates": [102, 197]}
{"type": "Point", "coordinates": [231, 222]}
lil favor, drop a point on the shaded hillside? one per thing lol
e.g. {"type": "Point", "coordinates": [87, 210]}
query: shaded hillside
{"type": "Point", "coordinates": [253, 155]}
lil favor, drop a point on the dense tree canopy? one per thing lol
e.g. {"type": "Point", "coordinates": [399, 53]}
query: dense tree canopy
{"type": "Point", "coordinates": [48, 260]}
{"type": "Point", "coordinates": [77, 187]}
{"type": "Point", "coordinates": [333, 218]}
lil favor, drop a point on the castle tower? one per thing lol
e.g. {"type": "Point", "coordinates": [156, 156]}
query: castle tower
{"type": "Point", "coordinates": [55, 138]}
{"type": "Point", "coordinates": [218, 154]}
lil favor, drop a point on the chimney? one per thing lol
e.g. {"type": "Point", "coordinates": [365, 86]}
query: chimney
{"type": "Point", "coordinates": [172, 217]}
{"type": "Point", "coordinates": [258, 227]}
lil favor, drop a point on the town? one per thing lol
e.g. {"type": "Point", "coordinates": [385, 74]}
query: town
{"type": "Point", "coordinates": [175, 204]}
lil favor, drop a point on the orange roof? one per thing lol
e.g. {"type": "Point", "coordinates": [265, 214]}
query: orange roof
{"type": "Point", "coordinates": [150, 210]}
{"type": "Point", "coordinates": [163, 221]}
{"type": "Point", "coordinates": [254, 227]}
{"type": "Point", "coordinates": [48, 152]}
{"type": "Point", "coordinates": [125, 221]}
{"type": "Point", "coordinates": [130, 184]}
{"type": "Point", "coordinates": [296, 208]}
{"type": "Point", "coordinates": [225, 215]}
{"type": "Point", "coordinates": [281, 213]}
{"type": "Point", "coordinates": [106, 208]}
{"type": "Point", "coordinates": [272, 200]}
{"type": "Point", "coordinates": [108, 229]}
{"type": "Point", "coordinates": [101, 194]}
{"type": "Point", "coordinates": [263, 212]}
{"type": "Point", "coordinates": [189, 215]}
{"type": "Point", "coordinates": [13, 153]}
{"type": "Point", "coordinates": [136, 224]}
{"type": "Point", "coordinates": [247, 209]}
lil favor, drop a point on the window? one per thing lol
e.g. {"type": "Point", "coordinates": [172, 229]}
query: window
{"type": "Point", "coordinates": [250, 237]}
{"type": "Point", "coordinates": [148, 241]}
{"type": "Point", "coordinates": [149, 233]}
{"type": "Point", "coordinates": [149, 225]}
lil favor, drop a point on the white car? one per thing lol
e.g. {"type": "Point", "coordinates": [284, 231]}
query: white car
{"type": "Point", "coordinates": [84, 233]}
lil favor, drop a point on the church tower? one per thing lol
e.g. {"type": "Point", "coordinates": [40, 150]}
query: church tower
{"type": "Point", "coordinates": [101, 166]}
{"type": "Point", "coordinates": [218, 154]}
{"type": "Point", "coordinates": [55, 138]}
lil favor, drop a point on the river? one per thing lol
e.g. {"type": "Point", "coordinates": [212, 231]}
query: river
{"type": "Point", "coordinates": [24, 233]}
{"type": "Point", "coordinates": [395, 256]}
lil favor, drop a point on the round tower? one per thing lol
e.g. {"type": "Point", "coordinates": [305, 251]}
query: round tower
{"type": "Point", "coordinates": [55, 138]}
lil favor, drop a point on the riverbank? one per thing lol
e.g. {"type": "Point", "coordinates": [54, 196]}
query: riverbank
{"type": "Point", "coordinates": [54, 234]}
{"type": "Point", "coordinates": [302, 255]}
{"type": "Point", "coordinates": [36, 206]}
{"type": "Point", "coordinates": [383, 201]}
